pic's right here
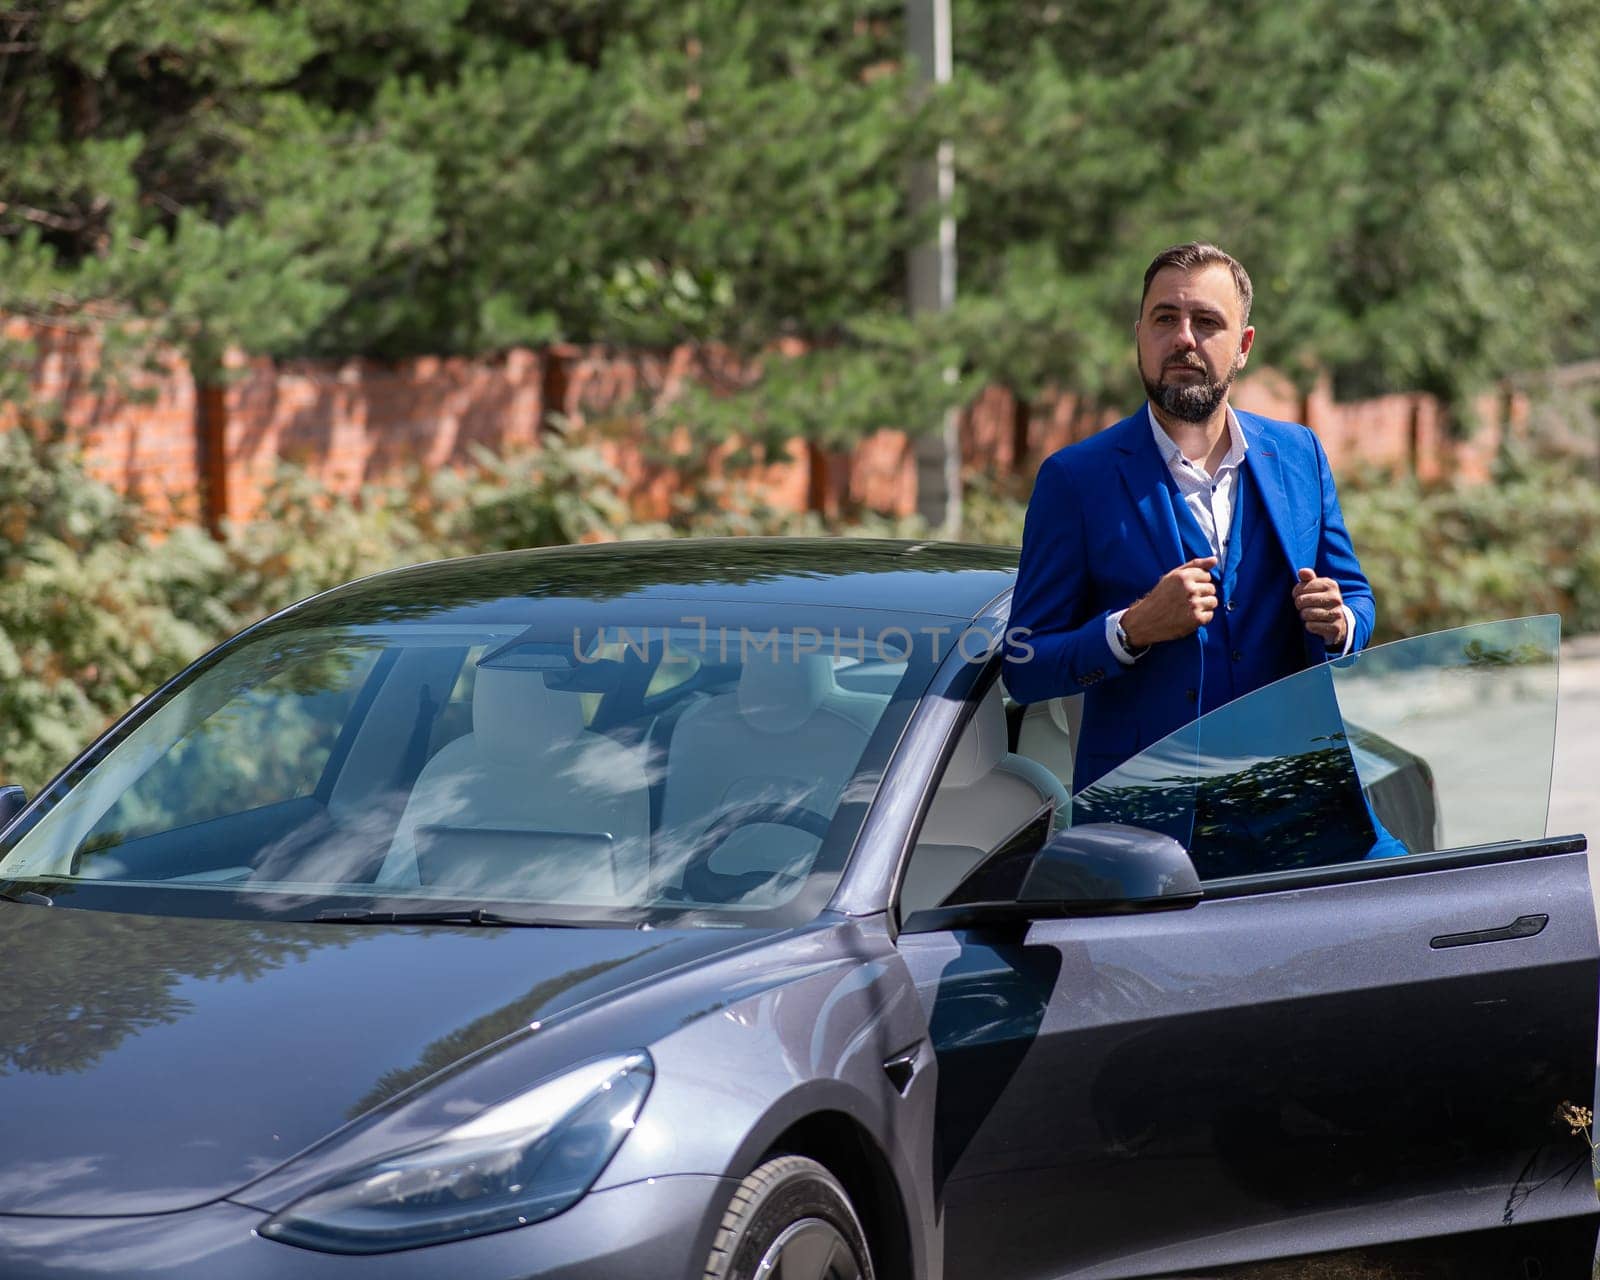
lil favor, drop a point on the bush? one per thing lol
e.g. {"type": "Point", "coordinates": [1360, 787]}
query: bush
{"type": "Point", "coordinates": [1448, 556]}
{"type": "Point", "coordinates": [86, 624]}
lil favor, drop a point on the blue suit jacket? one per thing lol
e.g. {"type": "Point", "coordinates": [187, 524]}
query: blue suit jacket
{"type": "Point", "coordinates": [1100, 532]}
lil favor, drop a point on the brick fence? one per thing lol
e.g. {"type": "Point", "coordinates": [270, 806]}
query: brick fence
{"type": "Point", "coordinates": [355, 421]}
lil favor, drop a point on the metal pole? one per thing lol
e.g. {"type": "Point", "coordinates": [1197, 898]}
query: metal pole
{"type": "Point", "coordinates": [931, 267]}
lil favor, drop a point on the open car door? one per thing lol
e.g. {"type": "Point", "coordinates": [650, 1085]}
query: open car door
{"type": "Point", "coordinates": [1356, 1044]}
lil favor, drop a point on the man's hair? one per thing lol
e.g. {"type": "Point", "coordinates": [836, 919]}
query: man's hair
{"type": "Point", "coordinates": [1191, 257]}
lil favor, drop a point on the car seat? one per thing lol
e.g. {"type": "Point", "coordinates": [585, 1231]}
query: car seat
{"type": "Point", "coordinates": [787, 735]}
{"type": "Point", "coordinates": [987, 794]}
{"type": "Point", "coordinates": [529, 804]}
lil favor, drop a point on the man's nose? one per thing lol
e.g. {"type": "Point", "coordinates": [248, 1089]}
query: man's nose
{"type": "Point", "coordinates": [1184, 338]}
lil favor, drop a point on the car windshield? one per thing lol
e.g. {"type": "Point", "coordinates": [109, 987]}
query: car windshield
{"type": "Point", "coordinates": [560, 762]}
{"type": "Point", "coordinates": [1444, 741]}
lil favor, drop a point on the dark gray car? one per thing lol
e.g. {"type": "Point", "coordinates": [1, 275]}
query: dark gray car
{"type": "Point", "coordinates": [708, 910]}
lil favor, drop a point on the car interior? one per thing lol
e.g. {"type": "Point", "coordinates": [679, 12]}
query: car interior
{"type": "Point", "coordinates": [457, 769]}
{"type": "Point", "coordinates": [987, 794]}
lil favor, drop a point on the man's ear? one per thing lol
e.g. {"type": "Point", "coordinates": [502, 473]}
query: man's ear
{"type": "Point", "coordinates": [1247, 339]}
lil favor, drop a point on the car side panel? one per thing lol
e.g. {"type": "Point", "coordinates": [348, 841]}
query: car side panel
{"type": "Point", "coordinates": [780, 1044]}
{"type": "Point", "coordinates": [1264, 1076]}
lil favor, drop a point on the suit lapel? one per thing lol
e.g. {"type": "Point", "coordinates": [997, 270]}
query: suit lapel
{"type": "Point", "coordinates": [1148, 483]}
{"type": "Point", "coordinates": [1261, 460]}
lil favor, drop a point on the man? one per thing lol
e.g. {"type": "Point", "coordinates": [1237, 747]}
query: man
{"type": "Point", "coordinates": [1190, 553]}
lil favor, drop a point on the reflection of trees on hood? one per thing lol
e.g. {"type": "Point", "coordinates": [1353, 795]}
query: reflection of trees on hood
{"type": "Point", "coordinates": [104, 977]}
{"type": "Point", "coordinates": [1303, 810]}
{"type": "Point", "coordinates": [492, 1027]}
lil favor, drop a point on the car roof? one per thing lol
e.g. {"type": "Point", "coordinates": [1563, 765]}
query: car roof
{"type": "Point", "coordinates": [945, 578]}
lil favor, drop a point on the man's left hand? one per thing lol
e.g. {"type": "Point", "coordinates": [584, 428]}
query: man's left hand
{"type": "Point", "coordinates": [1321, 607]}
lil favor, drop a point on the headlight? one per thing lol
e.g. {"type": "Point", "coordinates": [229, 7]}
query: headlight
{"type": "Point", "coordinates": [518, 1162]}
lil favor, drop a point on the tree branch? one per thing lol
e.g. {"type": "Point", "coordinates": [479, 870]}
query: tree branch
{"type": "Point", "coordinates": [44, 218]}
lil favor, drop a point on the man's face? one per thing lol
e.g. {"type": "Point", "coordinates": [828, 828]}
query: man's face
{"type": "Point", "coordinates": [1191, 340]}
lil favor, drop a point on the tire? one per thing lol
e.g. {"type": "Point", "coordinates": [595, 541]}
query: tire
{"type": "Point", "coordinates": [790, 1220]}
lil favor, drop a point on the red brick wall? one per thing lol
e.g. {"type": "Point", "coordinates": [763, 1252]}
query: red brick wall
{"type": "Point", "coordinates": [354, 421]}
{"type": "Point", "coordinates": [137, 434]}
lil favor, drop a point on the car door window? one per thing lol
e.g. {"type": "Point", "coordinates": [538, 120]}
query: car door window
{"type": "Point", "coordinates": [1443, 741]}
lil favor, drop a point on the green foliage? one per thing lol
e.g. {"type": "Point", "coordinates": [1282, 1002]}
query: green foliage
{"type": "Point", "coordinates": [1404, 182]}
{"type": "Point", "coordinates": [84, 625]}
{"type": "Point", "coordinates": [1410, 184]}
{"type": "Point", "coordinates": [1445, 557]}
{"type": "Point", "coordinates": [564, 492]}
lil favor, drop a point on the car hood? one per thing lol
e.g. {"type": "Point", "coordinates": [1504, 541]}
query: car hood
{"type": "Point", "coordinates": [149, 1064]}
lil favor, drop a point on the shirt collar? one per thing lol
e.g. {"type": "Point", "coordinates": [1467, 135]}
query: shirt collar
{"type": "Point", "coordinates": [1170, 453]}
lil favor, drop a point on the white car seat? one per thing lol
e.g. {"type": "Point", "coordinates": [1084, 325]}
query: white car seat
{"type": "Point", "coordinates": [530, 803]}
{"type": "Point", "coordinates": [987, 794]}
{"type": "Point", "coordinates": [1049, 730]}
{"type": "Point", "coordinates": [786, 735]}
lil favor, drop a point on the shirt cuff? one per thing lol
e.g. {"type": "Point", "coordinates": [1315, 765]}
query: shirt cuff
{"type": "Point", "coordinates": [1349, 632]}
{"type": "Point", "coordinates": [1119, 651]}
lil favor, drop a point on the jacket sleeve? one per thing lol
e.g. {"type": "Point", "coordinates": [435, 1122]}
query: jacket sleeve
{"type": "Point", "coordinates": [1336, 557]}
{"type": "Point", "coordinates": [1056, 637]}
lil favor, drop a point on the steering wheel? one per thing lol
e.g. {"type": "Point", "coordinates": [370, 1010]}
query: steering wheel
{"type": "Point", "coordinates": [703, 884]}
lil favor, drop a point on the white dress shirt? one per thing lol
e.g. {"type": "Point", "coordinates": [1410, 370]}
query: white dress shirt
{"type": "Point", "coordinates": [1210, 500]}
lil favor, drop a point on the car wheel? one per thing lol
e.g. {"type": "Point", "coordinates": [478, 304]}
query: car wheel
{"type": "Point", "coordinates": [789, 1220]}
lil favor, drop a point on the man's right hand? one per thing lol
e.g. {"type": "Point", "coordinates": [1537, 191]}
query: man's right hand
{"type": "Point", "coordinates": [1177, 606]}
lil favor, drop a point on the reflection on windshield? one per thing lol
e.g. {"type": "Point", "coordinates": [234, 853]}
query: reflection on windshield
{"type": "Point", "coordinates": [1438, 742]}
{"type": "Point", "coordinates": [662, 769]}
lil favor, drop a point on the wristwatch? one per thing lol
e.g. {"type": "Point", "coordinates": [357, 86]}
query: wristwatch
{"type": "Point", "coordinates": [1122, 639]}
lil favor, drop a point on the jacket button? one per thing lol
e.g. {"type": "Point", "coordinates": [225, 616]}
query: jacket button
{"type": "Point", "coordinates": [1192, 694]}
{"type": "Point", "coordinates": [1237, 656]}
{"type": "Point", "coordinates": [1229, 606]}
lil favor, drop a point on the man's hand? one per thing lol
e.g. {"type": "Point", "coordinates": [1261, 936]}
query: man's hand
{"type": "Point", "coordinates": [1321, 607]}
{"type": "Point", "coordinates": [1177, 606]}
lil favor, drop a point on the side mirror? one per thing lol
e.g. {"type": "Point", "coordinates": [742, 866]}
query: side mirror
{"type": "Point", "coordinates": [1098, 869]}
{"type": "Point", "coordinates": [1105, 868]}
{"type": "Point", "coordinates": [13, 800]}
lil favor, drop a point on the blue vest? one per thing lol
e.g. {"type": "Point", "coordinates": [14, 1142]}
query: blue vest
{"type": "Point", "coordinates": [1255, 636]}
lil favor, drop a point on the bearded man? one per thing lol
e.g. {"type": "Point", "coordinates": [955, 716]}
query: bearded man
{"type": "Point", "coordinates": [1190, 553]}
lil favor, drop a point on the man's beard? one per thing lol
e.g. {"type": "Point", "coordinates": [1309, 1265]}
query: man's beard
{"type": "Point", "coordinates": [1191, 401]}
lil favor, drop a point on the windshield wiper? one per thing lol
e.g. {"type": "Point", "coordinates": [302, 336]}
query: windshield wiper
{"type": "Point", "coordinates": [443, 915]}
{"type": "Point", "coordinates": [30, 897]}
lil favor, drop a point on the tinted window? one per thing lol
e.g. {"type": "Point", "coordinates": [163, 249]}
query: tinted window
{"type": "Point", "coordinates": [702, 765]}
{"type": "Point", "coordinates": [1439, 742]}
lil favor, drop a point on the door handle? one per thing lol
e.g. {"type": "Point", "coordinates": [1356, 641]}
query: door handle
{"type": "Point", "coordinates": [1521, 927]}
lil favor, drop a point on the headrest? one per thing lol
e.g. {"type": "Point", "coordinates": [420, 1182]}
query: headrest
{"type": "Point", "coordinates": [779, 688]}
{"type": "Point", "coordinates": [514, 714]}
{"type": "Point", "coordinates": [982, 742]}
